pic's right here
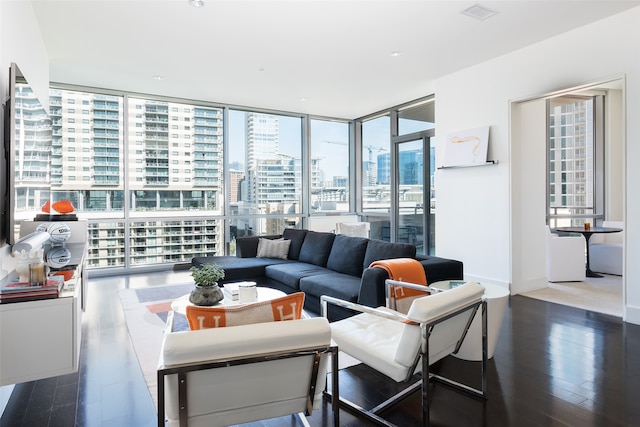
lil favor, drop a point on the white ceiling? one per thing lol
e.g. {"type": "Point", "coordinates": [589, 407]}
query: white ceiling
{"type": "Point", "coordinates": [270, 54]}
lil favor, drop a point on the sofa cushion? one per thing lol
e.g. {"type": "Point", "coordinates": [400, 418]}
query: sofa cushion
{"type": "Point", "coordinates": [438, 269]}
{"type": "Point", "coordinates": [291, 273]}
{"type": "Point", "coordinates": [278, 248]}
{"type": "Point", "coordinates": [288, 307]}
{"type": "Point", "coordinates": [377, 250]}
{"type": "Point", "coordinates": [339, 285]}
{"type": "Point", "coordinates": [347, 254]}
{"type": "Point", "coordinates": [316, 248]}
{"type": "Point", "coordinates": [236, 269]}
{"type": "Point", "coordinates": [297, 238]}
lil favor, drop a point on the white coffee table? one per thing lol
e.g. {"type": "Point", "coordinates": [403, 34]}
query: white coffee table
{"type": "Point", "coordinates": [497, 297]}
{"type": "Point", "coordinates": [264, 294]}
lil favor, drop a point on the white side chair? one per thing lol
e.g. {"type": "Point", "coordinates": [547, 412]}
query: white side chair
{"type": "Point", "coordinates": [399, 345]}
{"type": "Point", "coordinates": [566, 258]}
{"type": "Point", "coordinates": [606, 250]}
{"type": "Point", "coordinates": [356, 229]}
{"type": "Point", "coordinates": [239, 374]}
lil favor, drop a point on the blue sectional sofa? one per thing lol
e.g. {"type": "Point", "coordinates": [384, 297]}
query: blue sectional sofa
{"type": "Point", "coordinates": [320, 263]}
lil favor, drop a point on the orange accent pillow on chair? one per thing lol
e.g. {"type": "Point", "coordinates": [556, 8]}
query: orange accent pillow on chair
{"type": "Point", "coordinates": [288, 307]}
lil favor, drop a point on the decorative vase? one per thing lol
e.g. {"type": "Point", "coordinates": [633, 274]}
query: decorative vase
{"type": "Point", "coordinates": [206, 295]}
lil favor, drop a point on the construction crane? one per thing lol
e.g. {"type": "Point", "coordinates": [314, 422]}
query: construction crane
{"type": "Point", "coordinates": [368, 147]}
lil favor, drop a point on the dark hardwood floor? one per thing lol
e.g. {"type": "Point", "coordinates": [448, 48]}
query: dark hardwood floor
{"type": "Point", "coordinates": [554, 366]}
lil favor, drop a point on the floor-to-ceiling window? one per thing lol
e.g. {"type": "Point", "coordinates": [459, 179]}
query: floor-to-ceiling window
{"type": "Point", "coordinates": [410, 193]}
{"type": "Point", "coordinates": [414, 164]}
{"type": "Point", "coordinates": [397, 169]}
{"type": "Point", "coordinates": [329, 167]}
{"type": "Point", "coordinates": [149, 175]}
{"type": "Point", "coordinates": [162, 180]}
{"type": "Point", "coordinates": [264, 184]}
{"type": "Point", "coordinates": [145, 173]}
{"type": "Point", "coordinates": [376, 175]}
{"type": "Point", "coordinates": [575, 178]}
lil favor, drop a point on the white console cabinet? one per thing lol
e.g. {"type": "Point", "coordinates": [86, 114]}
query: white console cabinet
{"type": "Point", "coordinates": [40, 339]}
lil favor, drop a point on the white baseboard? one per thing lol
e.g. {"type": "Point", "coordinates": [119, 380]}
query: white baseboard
{"type": "Point", "coordinates": [632, 315]}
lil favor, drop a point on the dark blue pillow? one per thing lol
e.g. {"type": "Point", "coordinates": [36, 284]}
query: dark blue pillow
{"type": "Point", "coordinates": [377, 250]}
{"type": "Point", "coordinates": [297, 238]}
{"type": "Point", "coordinates": [316, 248]}
{"type": "Point", "coordinates": [347, 255]}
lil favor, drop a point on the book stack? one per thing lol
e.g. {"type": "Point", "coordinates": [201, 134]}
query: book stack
{"type": "Point", "coordinates": [20, 291]}
{"type": "Point", "coordinates": [231, 291]}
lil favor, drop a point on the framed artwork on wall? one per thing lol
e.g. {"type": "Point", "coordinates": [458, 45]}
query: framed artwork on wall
{"type": "Point", "coordinates": [467, 147]}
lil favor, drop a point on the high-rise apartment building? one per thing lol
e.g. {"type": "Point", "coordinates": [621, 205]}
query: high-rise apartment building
{"type": "Point", "coordinates": [170, 154]}
{"type": "Point", "coordinates": [273, 177]}
{"type": "Point", "coordinates": [32, 155]}
{"type": "Point", "coordinates": [571, 162]}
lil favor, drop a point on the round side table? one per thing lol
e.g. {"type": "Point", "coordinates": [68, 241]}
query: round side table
{"type": "Point", "coordinates": [264, 294]}
{"type": "Point", "coordinates": [497, 297]}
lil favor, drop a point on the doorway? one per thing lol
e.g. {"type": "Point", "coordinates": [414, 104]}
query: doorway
{"type": "Point", "coordinates": [528, 157]}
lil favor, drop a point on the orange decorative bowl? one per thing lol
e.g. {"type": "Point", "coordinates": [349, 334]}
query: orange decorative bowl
{"type": "Point", "coordinates": [63, 207]}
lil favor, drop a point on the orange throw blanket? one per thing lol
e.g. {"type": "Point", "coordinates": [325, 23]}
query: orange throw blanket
{"type": "Point", "coordinates": [404, 270]}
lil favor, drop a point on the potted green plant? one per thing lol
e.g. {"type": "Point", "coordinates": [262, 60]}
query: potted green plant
{"type": "Point", "coordinates": [207, 292]}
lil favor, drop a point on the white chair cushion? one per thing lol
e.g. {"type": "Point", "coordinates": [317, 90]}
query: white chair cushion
{"type": "Point", "coordinates": [613, 237]}
{"type": "Point", "coordinates": [427, 308]}
{"type": "Point", "coordinates": [607, 250]}
{"type": "Point", "coordinates": [390, 347]}
{"type": "Point", "coordinates": [248, 392]}
{"type": "Point", "coordinates": [445, 336]}
{"type": "Point", "coordinates": [372, 340]}
{"type": "Point", "coordinates": [237, 341]}
{"type": "Point", "coordinates": [608, 237]}
{"type": "Point", "coordinates": [606, 258]}
{"type": "Point", "coordinates": [245, 393]}
{"type": "Point", "coordinates": [565, 259]}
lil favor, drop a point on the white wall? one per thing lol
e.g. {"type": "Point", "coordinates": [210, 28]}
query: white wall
{"type": "Point", "coordinates": [528, 243]}
{"type": "Point", "coordinates": [478, 219]}
{"type": "Point", "coordinates": [20, 42]}
{"type": "Point", "coordinates": [614, 156]}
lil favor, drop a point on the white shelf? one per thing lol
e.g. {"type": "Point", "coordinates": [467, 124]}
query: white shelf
{"type": "Point", "coordinates": [41, 339]}
{"type": "Point", "coordinates": [488, 163]}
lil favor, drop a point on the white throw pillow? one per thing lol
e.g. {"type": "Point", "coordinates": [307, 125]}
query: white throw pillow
{"type": "Point", "coordinates": [278, 248]}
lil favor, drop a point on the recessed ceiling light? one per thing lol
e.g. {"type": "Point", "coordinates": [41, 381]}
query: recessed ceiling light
{"type": "Point", "coordinates": [196, 3]}
{"type": "Point", "coordinates": [478, 11]}
{"type": "Point", "coordinates": [303, 99]}
{"type": "Point", "coordinates": [158, 77]}
{"type": "Point", "coordinates": [395, 53]}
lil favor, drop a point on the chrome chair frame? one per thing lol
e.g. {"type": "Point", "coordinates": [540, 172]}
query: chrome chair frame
{"type": "Point", "coordinates": [422, 355]}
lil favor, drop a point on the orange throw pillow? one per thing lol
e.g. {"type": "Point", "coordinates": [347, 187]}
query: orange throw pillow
{"type": "Point", "coordinates": [288, 307]}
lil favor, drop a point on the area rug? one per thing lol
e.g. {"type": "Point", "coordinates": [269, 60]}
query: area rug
{"type": "Point", "coordinates": [146, 311]}
{"type": "Point", "coordinates": [601, 295]}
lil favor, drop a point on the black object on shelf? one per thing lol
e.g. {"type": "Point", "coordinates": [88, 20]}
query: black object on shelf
{"type": "Point", "coordinates": [55, 217]}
